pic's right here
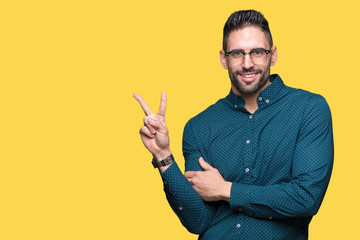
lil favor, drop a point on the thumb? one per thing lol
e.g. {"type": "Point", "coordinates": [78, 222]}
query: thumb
{"type": "Point", "coordinates": [205, 165]}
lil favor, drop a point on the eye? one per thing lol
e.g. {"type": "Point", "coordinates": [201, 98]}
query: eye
{"type": "Point", "coordinates": [237, 53]}
{"type": "Point", "coordinates": [257, 53]}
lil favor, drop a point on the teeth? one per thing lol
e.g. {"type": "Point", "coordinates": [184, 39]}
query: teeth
{"type": "Point", "coordinates": [249, 75]}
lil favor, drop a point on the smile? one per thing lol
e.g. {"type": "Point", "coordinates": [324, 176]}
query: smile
{"type": "Point", "coordinates": [249, 77]}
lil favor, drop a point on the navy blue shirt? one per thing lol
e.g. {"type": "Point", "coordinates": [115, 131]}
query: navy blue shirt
{"type": "Point", "coordinates": [279, 160]}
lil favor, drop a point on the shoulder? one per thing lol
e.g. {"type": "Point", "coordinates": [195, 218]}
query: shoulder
{"type": "Point", "coordinates": [304, 97]}
{"type": "Point", "coordinates": [312, 105]}
{"type": "Point", "coordinates": [209, 115]}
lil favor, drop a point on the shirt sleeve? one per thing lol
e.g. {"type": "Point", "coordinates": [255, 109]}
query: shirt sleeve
{"type": "Point", "coordinates": [193, 212]}
{"type": "Point", "coordinates": [311, 169]}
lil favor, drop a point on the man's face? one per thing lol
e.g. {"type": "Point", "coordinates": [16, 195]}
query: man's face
{"type": "Point", "coordinates": [248, 78]}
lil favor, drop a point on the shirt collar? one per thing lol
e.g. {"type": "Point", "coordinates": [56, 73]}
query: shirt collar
{"type": "Point", "coordinates": [268, 93]}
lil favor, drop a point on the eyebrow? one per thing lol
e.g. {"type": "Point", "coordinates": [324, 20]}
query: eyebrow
{"type": "Point", "coordinates": [254, 49]}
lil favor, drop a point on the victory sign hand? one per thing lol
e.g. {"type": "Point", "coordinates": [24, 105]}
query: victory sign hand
{"type": "Point", "coordinates": [154, 134]}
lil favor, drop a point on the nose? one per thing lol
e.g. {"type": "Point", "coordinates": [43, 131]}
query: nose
{"type": "Point", "coordinates": [247, 61]}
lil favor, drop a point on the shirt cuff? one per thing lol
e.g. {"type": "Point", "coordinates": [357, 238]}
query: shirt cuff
{"type": "Point", "coordinates": [239, 196]}
{"type": "Point", "coordinates": [172, 178]}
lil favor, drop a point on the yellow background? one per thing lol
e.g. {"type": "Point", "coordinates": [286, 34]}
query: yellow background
{"type": "Point", "coordinates": [72, 165]}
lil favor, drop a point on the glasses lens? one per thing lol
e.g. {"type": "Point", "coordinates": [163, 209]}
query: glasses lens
{"type": "Point", "coordinates": [258, 57]}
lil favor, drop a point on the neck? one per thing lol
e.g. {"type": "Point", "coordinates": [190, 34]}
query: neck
{"type": "Point", "coordinates": [250, 99]}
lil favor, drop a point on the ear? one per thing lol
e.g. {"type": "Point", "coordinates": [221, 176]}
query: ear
{"type": "Point", "coordinates": [223, 59]}
{"type": "Point", "coordinates": [273, 55]}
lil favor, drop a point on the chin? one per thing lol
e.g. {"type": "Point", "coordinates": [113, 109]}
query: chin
{"type": "Point", "coordinates": [248, 88]}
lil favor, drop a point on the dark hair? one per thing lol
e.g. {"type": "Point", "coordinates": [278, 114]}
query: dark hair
{"type": "Point", "coordinates": [246, 18]}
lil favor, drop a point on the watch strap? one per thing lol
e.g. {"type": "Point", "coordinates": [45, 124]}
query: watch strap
{"type": "Point", "coordinates": [163, 162]}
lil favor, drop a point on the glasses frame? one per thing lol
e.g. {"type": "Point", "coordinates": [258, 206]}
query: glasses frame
{"type": "Point", "coordinates": [267, 51]}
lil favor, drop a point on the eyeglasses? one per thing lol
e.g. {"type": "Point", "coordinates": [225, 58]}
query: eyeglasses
{"type": "Point", "coordinates": [258, 56]}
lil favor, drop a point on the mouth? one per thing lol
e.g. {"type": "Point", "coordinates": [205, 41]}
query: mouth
{"type": "Point", "coordinates": [248, 77]}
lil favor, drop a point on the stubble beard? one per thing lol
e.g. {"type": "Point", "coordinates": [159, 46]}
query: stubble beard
{"type": "Point", "coordinates": [244, 87]}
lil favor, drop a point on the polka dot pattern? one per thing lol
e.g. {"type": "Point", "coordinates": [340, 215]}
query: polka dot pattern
{"type": "Point", "coordinates": [279, 160]}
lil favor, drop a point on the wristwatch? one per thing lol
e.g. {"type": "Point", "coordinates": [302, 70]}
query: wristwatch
{"type": "Point", "coordinates": [163, 162]}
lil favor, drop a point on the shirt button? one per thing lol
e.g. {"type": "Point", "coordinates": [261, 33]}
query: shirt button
{"type": "Point", "coordinates": [235, 106]}
{"type": "Point", "coordinates": [267, 101]}
{"type": "Point", "coordinates": [260, 98]}
{"type": "Point", "coordinates": [270, 218]}
{"type": "Point", "coordinates": [180, 208]}
{"type": "Point", "coordinates": [247, 141]}
{"type": "Point", "coordinates": [238, 225]}
{"type": "Point", "coordinates": [240, 209]}
{"type": "Point", "coordinates": [165, 182]}
{"type": "Point", "coordinates": [247, 169]}
{"type": "Point", "coordinates": [251, 116]}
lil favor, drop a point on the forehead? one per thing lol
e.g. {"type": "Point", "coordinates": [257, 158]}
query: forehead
{"type": "Point", "coordinates": [247, 39]}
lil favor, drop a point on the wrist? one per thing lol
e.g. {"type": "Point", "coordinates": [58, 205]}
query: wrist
{"type": "Point", "coordinates": [226, 190]}
{"type": "Point", "coordinates": [162, 155]}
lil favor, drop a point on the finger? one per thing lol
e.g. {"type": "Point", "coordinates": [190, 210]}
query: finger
{"type": "Point", "coordinates": [162, 108]}
{"type": "Point", "coordinates": [145, 131]}
{"type": "Point", "coordinates": [189, 174]}
{"type": "Point", "coordinates": [147, 124]}
{"type": "Point", "coordinates": [143, 104]}
{"type": "Point", "coordinates": [191, 182]}
{"type": "Point", "coordinates": [204, 164]}
{"type": "Point", "coordinates": [158, 124]}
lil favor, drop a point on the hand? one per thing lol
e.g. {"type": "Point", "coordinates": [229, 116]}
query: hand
{"type": "Point", "coordinates": [154, 134]}
{"type": "Point", "coordinates": [209, 184]}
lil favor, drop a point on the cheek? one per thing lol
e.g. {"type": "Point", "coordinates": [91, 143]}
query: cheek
{"type": "Point", "coordinates": [266, 69]}
{"type": "Point", "coordinates": [233, 70]}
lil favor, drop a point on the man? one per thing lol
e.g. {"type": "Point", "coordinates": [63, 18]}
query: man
{"type": "Point", "coordinates": [257, 162]}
